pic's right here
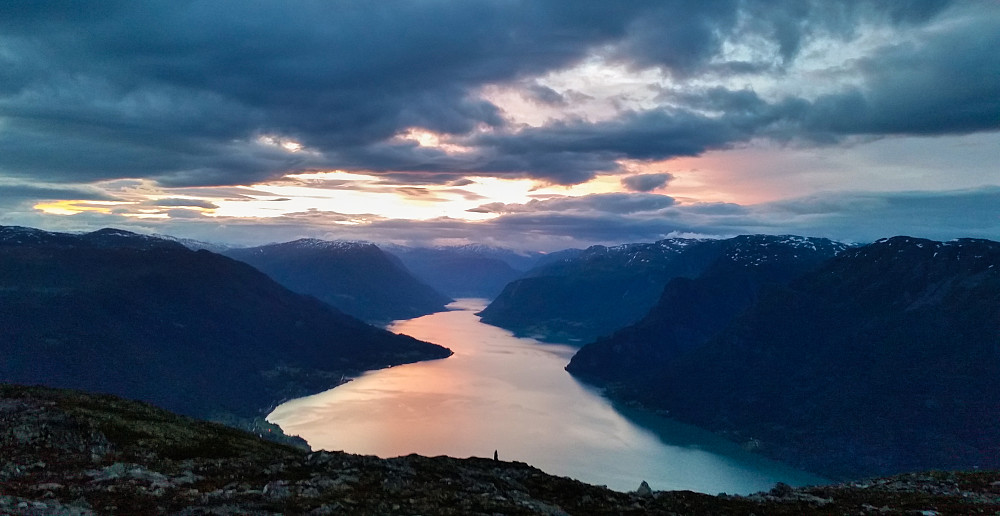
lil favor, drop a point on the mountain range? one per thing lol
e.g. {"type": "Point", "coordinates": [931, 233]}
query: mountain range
{"type": "Point", "coordinates": [882, 359]}
{"type": "Point", "coordinates": [847, 361]}
{"type": "Point", "coordinates": [589, 294]}
{"type": "Point", "coordinates": [192, 331]}
{"type": "Point", "coordinates": [357, 278]}
{"type": "Point", "coordinates": [692, 310]}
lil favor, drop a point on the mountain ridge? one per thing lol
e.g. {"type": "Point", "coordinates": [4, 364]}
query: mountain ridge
{"type": "Point", "coordinates": [602, 289]}
{"type": "Point", "coordinates": [356, 277]}
{"type": "Point", "coordinates": [691, 310]}
{"type": "Point", "coordinates": [193, 331]}
{"type": "Point", "coordinates": [883, 359]}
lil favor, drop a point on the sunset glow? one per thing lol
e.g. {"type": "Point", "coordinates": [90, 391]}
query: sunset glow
{"type": "Point", "coordinates": [70, 207]}
{"type": "Point", "coordinates": [546, 129]}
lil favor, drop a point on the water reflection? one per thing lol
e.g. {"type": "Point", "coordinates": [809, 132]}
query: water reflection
{"type": "Point", "coordinates": [511, 394]}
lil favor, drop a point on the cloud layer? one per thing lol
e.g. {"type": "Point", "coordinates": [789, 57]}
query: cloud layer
{"type": "Point", "coordinates": [184, 91]}
{"type": "Point", "coordinates": [224, 93]}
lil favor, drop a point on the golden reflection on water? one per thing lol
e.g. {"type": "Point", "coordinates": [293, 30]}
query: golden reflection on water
{"type": "Point", "coordinates": [499, 392]}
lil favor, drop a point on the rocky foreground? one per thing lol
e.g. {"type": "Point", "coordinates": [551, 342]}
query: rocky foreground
{"type": "Point", "coordinates": [72, 453]}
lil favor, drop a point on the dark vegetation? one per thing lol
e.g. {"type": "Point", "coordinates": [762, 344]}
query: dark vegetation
{"type": "Point", "coordinates": [884, 359]}
{"type": "Point", "coordinates": [358, 278]}
{"type": "Point", "coordinates": [67, 452]}
{"type": "Point", "coordinates": [192, 331]}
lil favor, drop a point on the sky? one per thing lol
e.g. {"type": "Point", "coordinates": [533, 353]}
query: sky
{"type": "Point", "coordinates": [529, 124]}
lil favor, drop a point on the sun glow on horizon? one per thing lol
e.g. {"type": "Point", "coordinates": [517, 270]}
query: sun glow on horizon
{"type": "Point", "coordinates": [359, 194]}
{"type": "Point", "coordinates": [73, 207]}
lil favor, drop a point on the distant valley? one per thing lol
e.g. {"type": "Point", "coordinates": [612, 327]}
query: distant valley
{"type": "Point", "coordinates": [466, 271]}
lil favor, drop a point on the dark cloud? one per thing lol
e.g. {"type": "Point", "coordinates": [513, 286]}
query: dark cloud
{"type": "Point", "coordinates": [19, 193]}
{"type": "Point", "coordinates": [573, 152]}
{"type": "Point", "coordinates": [184, 92]}
{"type": "Point", "coordinates": [545, 95]}
{"type": "Point", "coordinates": [186, 203]}
{"type": "Point", "coordinates": [855, 217]}
{"type": "Point", "coordinates": [608, 203]}
{"type": "Point", "coordinates": [646, 182]}
{"type": "Point", "coordinates": [944, 84]}
{"type": "Point", "coordinates": [183, 213]}
{"type": "Point", "coordinates": [941, 84]}
{"type": "Point", "coordinates": [691, 43]}
{"type": "Point", "coordinates": [163, 86]}
{"type": "Point", "coordinates": [868, 216]}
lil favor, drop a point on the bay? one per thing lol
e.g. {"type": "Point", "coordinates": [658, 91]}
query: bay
{"type": "Point", "coordinates": [511, 395]}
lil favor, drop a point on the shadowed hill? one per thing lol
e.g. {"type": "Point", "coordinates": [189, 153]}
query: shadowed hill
{"type": "Point", "coordinates": [195, 332]}
{"type": "Point", "coordinates": [692, 310]}
{"type": "Point", "coordinates": [355, 277]}
{"type": "Point", "coordinates": [595, 292]}
{"type": "Point", "coordinates": [590, 294]}
{"type": "Point", "coordinates": [884, 359]}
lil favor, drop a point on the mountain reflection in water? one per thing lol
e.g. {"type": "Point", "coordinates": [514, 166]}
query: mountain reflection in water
{"type": "Point", "coordinates": [500, 392]}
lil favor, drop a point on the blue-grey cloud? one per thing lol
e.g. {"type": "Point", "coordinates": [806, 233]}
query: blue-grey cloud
{"type": "Point", "coordinates": [545, 95]}
{"type": "Point", "coordinates": [12, 193]}
{"type": "Point", "coordinates": [179, 91]}
{"type": "Point", "coordinates": [184, 213]}
{"type": "Point", "coordinates": [182, 203]}
{"type": "Point", "coordinates": [646, 182]}
{"type": "Point", "coordinates": [620, 203]}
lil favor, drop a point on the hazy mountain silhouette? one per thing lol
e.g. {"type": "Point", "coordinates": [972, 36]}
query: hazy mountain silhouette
{"type": "Point", "coordinates": [468, 270]}
{"type": "Point", "coordinates": [355, 277]}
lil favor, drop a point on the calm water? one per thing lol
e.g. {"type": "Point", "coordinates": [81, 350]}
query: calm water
{"type": "Point", "coordinates": [499, 392]}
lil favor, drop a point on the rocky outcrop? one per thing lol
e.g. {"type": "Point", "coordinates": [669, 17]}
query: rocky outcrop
{"type": "Point", "coordinates": [71, 453]}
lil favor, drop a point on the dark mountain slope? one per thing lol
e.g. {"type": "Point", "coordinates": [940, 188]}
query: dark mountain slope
{"type": "Point", "coordinates": [356, 277]}
{"type": "Point", "coordinates": [691, 311]}
{"type": "Point", "coordinates": [885, 359]}
{"type": "Point", "coordinates": [195, 332]}
{"type": "Point", "coordinates": [68, 452]}
{"type": "Point", "coordinates": [598, 291]}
